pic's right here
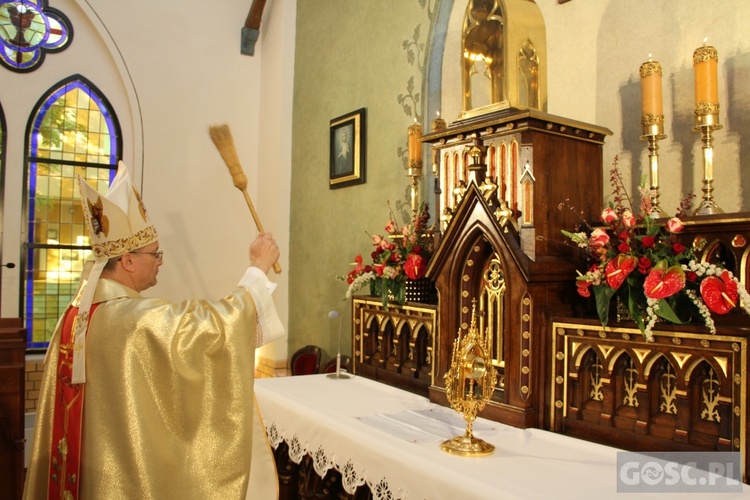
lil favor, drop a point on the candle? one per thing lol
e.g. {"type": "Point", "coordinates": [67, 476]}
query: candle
{"type": "Point", "coordinates": [415, 144]}
{"type": "Point", "coordinates": [705, 61]}
{"type": "Point", "coordinates": [652, 105]}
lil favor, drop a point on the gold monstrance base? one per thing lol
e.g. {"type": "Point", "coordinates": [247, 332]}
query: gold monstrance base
{"type": "Point", "coordinates": [467, 446]}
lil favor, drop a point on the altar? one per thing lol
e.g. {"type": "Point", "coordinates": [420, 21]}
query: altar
{"type": "Point", "coordinates": [374, 436]}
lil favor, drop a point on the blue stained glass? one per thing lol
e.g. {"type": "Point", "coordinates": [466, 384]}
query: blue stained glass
{"type": "Point", "coordinates": [55, 255]}
{"type": "Point", "coordinates": [29, 29]}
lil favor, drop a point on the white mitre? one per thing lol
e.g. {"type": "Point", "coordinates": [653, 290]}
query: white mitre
{"type": "Point", "coordinates": [116, 223]}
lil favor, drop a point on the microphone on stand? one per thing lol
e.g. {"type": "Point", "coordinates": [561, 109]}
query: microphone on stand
{"type": "Point", "coordinates": [338, 374]}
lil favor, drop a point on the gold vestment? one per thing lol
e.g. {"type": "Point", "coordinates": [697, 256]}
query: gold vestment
{"type": "Point", "coordinates": [169, 409]}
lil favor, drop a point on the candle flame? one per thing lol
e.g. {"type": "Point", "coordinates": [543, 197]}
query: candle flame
{"type": "Point", "coordinates": [438, 114]}
{"type": "Point", "coordinates": [705, 40]}
{"type": "Point", "coordinates": [649, 57]}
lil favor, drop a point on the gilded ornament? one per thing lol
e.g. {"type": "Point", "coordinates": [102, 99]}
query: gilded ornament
{"type": "Point", "coordinates": [558, 404]}
{"type": "Point", "coordinates": [699, 243]}
{"type": "Point", "coordinates": [526, 301]}
{"type": "Point", "coordinates": [650, 68]}
{"type": "Point", "coordinates": [559, 379]}
{"type": "Point", "coordinates": [739, 241]}
{"type": "Point", "coordinates": [560, 355]}
{"type": "Point", "coordinates": [676, 341]}
{"type": "Point", "coordinates": [524, 389]}
{"type": "Point", "coordinates": [561, 331]}
{"type": "Point", "coordinates": [706, 108]}
{"type": "Point", "coordinates": [649, 120]}
{"type": "Point", "coordinates": [703, 54]}
{"type": "Point", "coordinates": [469, 385]}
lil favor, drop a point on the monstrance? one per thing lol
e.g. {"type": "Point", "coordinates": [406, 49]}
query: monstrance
{"type": "Point", "coordinates": [469, 384]}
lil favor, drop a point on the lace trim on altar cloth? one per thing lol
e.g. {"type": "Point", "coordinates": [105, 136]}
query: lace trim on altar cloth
{"type": "Point", "coordinates": [352, 477]}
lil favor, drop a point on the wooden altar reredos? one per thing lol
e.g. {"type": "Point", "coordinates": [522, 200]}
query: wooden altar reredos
{"type": "Point", "coordinates": [505, 177]}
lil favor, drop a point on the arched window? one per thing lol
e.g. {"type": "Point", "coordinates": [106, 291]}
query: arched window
{"type": "Point", "coordinates": [72, 131]}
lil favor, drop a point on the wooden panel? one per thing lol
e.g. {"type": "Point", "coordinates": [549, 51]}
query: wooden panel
{"type": "Point", "coordinates": [12, 367]}
{"type": "Point", "coordinates": [394, 345]}
{"type": "Point", "coordinates": [685, 391]}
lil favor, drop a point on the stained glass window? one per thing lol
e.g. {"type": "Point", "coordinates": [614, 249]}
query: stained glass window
{"type": "Point", "coordinates": [73, 132]}
{"type": "Point", "coordinates": [28, 30]}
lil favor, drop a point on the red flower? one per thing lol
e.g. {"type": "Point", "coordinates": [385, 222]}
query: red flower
{"type": "Point", "coordinates": [719, 294]}
{"type": "Point", "coordinates": [415, 266]}
{"type": "Point", "coordinates": [644, 265]}
{"type": "Point", "coordinates": [648, 241]}
{"type": "Point", "coordinates": [674, 225]}
{"type": "Point", "coordinates": [691, 276]}
{"type": "Point", "coordinates": [623, 247]}
{"type": "Point", "coordinates": [608, 216]}
{"type": "Point", "coordinates": [618, 269]}
{"type": "Point", "coordinates": [624, 236]}
{"type": "Point", "coordinates": [598, 238]}
{"type": "Point", "coordinates": [583, 288]}
{"type": "Point", "coordinates": [663, 282]}
{"type": "Point", "coordinates": [678, 248]}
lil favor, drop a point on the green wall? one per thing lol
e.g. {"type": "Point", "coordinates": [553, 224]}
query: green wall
{"type": "Point", "coordinates": [350, 54]}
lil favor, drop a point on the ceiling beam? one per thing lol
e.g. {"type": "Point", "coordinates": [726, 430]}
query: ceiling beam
{"type": "Point", "coordinates": [251, 30]}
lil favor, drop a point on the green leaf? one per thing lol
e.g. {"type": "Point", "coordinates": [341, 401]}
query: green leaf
{"type": "Point", "coordinates": [603, 295]}
{"type": "Point", "coordinates": [665, 311]}
{"type": "Point", "coordinates": [635, 311]}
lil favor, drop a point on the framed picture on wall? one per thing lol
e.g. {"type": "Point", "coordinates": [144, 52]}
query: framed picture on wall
{"type": "Point", "coordinates": [347, 150]}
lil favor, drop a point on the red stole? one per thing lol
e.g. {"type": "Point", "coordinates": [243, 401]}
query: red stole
{"type": "Point", "coordinates": [65, 455]}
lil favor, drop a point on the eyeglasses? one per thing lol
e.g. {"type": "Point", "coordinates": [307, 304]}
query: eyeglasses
{"type": "Point", "coordinates": [158, 255]}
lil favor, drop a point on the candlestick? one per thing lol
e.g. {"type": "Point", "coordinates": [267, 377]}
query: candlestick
{"type": "Point", "coordinates": [708, 206]}
{"type": "Point", "coordinates": [415, 162]}
{"type": "Point", "coordinates": [705, 61]}
{"type": "Point", "coordinates": [438, 123]}
{"type": "Point", "coordinates": [652, 122]}
{"type": "Point", "coordinates": [653, 161]}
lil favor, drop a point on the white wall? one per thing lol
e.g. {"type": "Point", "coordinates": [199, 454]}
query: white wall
{"type": "Point", "coordinates": [170, 70]}
{"type": "Point", "coordinates": [594, 52]}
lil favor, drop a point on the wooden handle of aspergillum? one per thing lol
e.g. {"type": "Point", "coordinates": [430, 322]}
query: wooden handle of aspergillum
{"type": "Point", "coordinates": [222, 138]}
{"type": "Point", "coordinates": [276, 266]}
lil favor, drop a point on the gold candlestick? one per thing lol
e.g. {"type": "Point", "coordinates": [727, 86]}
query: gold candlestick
{"type": "Point", "coordinates": [653, 132]}
{"type": "Point", "coordinates": [705, 61]}
{"type": "Point", "coordinates": [708, 206]}
{"type": "Point", "coordinates": [415, 172]}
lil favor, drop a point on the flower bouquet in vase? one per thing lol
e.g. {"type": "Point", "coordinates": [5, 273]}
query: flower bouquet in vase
{"type": "Point", "coordinates": [637, 260]}
{"type": "Point", "coordinates": [399, 260]}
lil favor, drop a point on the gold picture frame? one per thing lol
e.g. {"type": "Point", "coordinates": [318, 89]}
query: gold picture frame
{"type": "Point", "coordinates": [347, 150]}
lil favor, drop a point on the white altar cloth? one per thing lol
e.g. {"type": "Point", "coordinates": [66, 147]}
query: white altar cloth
{"type": "Point", "coordinates": [390, 439]}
